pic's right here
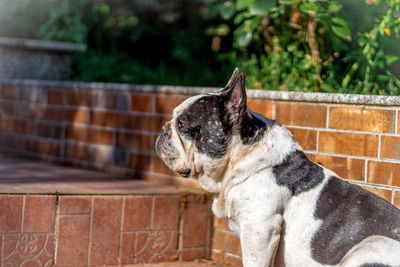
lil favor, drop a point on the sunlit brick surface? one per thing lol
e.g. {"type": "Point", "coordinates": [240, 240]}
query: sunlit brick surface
{"type": "Point", "coordinates": [114, 127]}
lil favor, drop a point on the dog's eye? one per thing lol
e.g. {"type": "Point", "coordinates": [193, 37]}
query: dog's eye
{"type": "Point", "coordinates": [180, 125]}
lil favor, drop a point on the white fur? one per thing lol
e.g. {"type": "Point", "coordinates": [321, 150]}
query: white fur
{"type": "Point", "coordinates": [258, 209]}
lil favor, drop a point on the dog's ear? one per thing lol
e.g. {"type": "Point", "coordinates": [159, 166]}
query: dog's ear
{"type": "Point", "coordinates": [235, 101]}
{"type": "Point", "coordinates": [232, 80]}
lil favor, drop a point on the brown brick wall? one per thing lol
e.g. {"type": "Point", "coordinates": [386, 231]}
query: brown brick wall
{"type": "Point", "coordinates": [101, 126]}
{"type": "Point", "coordinates": [112, 230]}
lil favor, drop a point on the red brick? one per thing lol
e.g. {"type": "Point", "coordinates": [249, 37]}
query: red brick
{"type": "Point", "coordinates": [49, 148]}
{"type": "Point", "coordinates": [27, 249]}
{"type": "Point", "coordinates": [166, 103]}
{"type": "Point", "coordinates": [33, 95]}
{"type": "Point", "coordinates": [49, 130]}
{"type": "Point", "coordinates": [10, 213]}
{"type": "Point", "coordinates": [220, 223]}
{"type": "Point", "coordinates": [134, 141]}
{"type": "Point", "coordinates": [76, 98]}
{"type": "Point", "coordinates": [362, 119]}
{"type": "Point", "coordinates": [53, 114]}
{"type": "Point", "coordinates": [55, 97]}
{"type": "Point", "coordinates": [306, 138]}
{"type": "Point", "coordinates": [39, 214]}
{"type": "Point", "coordinates": [72, 241]}
{"type": "Point", "coordinates": [23, 126]}
{"type": "Point", "coordinates": [159, 123]}
{"type": "Point", "coordinates": [226, 241]}
{"type": "Point", "coordinates": [224, 259]}
{"type": "Point", "coordinates": [8, 92]}
{"type": "Point", "coordinates": [386, 173]}
{"type": "Point", "coordinates": [128, 248]}
{"type": "Point", "coordinates": [189, 254]}
{"type": "Point", "coordinates": [390, 147]}
{"type": "Point", "coordinates": [6, 108]}
{"type": "Point", "coordinates": [396, 199]}
{"type": "Point", "coordinates": [137, 122]}
{"type": "Point", "coordinates": [74, 204]}
{"type": "Point", "coordinates": [143, 103]}
{"type": "Point", "coordinates": [301, 114]}
{"type": "Point", "coordinates": [347, 168]}
{"type": "Point", "coordinates": [7, 123]}
{"type": "Point", "coordinates": [349, 143]}
{"type": "Point", "coordinates": [166, 212]}
{"type": "Point", "coordinates": [85, 134]}
{"type": "Point", "coordinates": [140, 162]}
{"type": "Point", "coordinates": [160, 167]}
{"type": "Point", "coordinates": [79, 115]}
{"type": "Point", "coordinates": [385, 194]}
{"type": "Point", "coordinates": [137, 213]}
{"type": "Point", "coordinates": [105, 231]}
{"type": "Point", "coordinates": [196, 224]}
{"type": "Point", "coordinates": [77, 151]}
{"type": "Point", "coordinates": [261, 106]}
{"type": "Point", "coordinates": [105, 118]}
{"type": "Point", "coordinates": [156, 246]}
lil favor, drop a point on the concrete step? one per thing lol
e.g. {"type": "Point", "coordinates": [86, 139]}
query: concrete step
{"type": "Point", "coordinates": [63, 216]}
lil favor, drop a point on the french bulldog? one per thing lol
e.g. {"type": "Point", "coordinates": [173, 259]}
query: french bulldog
{"type": "Point", "coordinates": [286, 209]}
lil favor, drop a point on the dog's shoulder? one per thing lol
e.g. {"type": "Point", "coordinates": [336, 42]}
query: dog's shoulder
{"type": "Point", "coordinates": [353, 213]}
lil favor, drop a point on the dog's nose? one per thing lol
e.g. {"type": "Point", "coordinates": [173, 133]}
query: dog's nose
{"type": "Point", "coordinates": [184, 172]}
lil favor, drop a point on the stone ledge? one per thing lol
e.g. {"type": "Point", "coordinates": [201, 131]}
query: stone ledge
{"type": "Point", "coordinates": [191, 90]}
{"type": "Point", "coordinates": [23, 176]}
{"type": "Point", "coordinates": [41, 45]}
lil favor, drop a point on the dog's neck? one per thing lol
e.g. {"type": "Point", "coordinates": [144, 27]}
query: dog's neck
{"type": "Point", "coordinates": [243, 161]}
{"type": "Point", "coordinates": [271, 150]}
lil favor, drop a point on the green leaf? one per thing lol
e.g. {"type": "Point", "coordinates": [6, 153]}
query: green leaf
{"type": "Point", "coordinates": [261, 7]}
{"type": "Point", "coordinates": [289, 2]}
{"type": "Point", "coordinates": [308, 7]}
{"type": "Point", "coordinates": [226, 10]}
{"type": "Point", "coordinates": [334, 7]}
{"type": "Point", "coordinates": [390, 59]}
{"type": "Point", "coordinates": [327, 88]}
{"type": "Point", "coordinates": [220, 30]}
{"type": "Point", "coordinates": [240, 4]}
{"type": "Point", "coordinates": [341, 28]}
{"type": "Point", "coordinates": [243, 39]}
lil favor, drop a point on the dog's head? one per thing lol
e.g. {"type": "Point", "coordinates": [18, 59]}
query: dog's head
{"type": "Point", "coordinates": [199, 140]}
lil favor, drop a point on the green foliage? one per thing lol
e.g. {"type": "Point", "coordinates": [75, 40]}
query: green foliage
{"type": "Point", "coordinates": [153, 42]}
{"type": "Point", "coordinates": [308, 45]}
{"type": "Point", "coordinates": [296, 45]}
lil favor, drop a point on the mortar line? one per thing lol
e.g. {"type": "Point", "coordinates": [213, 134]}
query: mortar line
{"type": "Point", "coordinates": [379, 146]}
{"type": "Point", "coordinates": [317, 143]}
{"type": "Point", "coordinates": [56, 224]}
{"type": "Point", "coordinates": [121, 231]}
{"type": "Point", "coordinates": [22, 214]}
{"type": "Point", "coordinates": [392, 200]}
{"type": "Point", "coordinates": [327, 116]}
{"type": "Point", "coordinates": [365, 170]}
{"type": "Point", "coordinates": [352, 156]}
{"type": "Point", "coordinates": [396, 123]}
{"type": "Point", "coordinates": [90, 230]}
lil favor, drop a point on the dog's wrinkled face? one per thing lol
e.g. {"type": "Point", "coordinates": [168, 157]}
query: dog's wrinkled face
{"type": "Point", "coordinates": [196, 142]}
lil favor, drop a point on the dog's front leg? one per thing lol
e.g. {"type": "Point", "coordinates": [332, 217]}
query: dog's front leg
{"type": "Point", "coordinates": [259, 240]}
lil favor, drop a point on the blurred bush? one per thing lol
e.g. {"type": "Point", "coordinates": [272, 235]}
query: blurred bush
{"type": "Point", "coordinates": [310, 45]}
{"type": "Point", "coordinates": [297, 45]}
{"type": "Point", "coordinates": [143, 41]}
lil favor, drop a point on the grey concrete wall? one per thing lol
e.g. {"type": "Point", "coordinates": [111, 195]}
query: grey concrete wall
{"type": "Point", "coordinates": [33, 59]}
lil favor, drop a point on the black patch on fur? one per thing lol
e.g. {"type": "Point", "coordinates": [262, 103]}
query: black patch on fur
{"type": "Point", "coordinates": [350, 214]}
{"type": "Point", "coordinates": [298, 173]}
{"type": "Point", "coordinates": [374, 265]}
{"type": "Point", "coordinates": [203, 124]}
{"type": "Point", "coordinates": [254, 126]}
